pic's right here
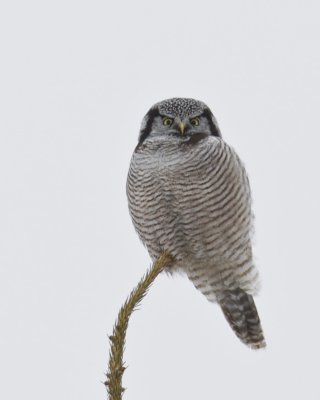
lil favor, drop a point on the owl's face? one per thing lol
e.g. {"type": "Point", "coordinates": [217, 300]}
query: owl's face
{"type": "Point", "coordinates": [178, 119]}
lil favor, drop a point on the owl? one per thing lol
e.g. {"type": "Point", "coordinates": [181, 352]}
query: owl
{"type": "Point", "coordinates": [189, 195]}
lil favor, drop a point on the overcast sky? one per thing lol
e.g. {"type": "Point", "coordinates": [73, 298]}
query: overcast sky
{"type": "Point", "coordinates": [76, 79]}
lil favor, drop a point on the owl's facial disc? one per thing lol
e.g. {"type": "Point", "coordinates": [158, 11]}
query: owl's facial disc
{"type": "Point", "coordinates": [185, 126]}
{"type": "Point", "coordinates": [178, 118]}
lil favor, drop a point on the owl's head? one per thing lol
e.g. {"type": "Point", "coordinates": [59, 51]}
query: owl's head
{"type": "Point", "coordinates": [179, 118]}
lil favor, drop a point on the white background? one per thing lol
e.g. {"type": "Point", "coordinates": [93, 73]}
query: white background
{"type": "Point", "coordinates": [76, 79]}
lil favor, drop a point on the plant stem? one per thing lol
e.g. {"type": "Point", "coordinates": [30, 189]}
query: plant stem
{"type": "Point", "coordinates": [116, 365]}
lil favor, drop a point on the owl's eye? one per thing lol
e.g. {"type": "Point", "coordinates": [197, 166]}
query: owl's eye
{"type": "Point", "coordinates": [194, 121]}
{"type": "Point", "coordinates": [167, 121]}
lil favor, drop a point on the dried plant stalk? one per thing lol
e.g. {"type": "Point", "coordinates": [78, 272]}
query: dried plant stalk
{"type": "Point", "coordinates": [116, 365]}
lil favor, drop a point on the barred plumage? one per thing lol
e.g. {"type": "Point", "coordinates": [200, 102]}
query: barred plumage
{"type": "Point", "coordinates": [189, 195]}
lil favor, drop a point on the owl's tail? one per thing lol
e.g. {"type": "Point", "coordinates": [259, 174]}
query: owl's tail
{"type": "Point", "coordinates": [241, 313]}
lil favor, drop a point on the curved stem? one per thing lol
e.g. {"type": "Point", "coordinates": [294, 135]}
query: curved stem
{"type": "Point", "coordinates": [116, 365]}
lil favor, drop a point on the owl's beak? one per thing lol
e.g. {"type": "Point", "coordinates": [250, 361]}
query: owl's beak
{"type": "Point", "coordinates": [182, 127]}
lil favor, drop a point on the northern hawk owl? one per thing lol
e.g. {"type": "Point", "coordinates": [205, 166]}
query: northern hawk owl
{"type": "Point", "coordinates": [189, 195]}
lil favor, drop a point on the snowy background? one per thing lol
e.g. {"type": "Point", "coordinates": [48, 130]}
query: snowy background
{"type": "Point", "coordinates": [76, 79]}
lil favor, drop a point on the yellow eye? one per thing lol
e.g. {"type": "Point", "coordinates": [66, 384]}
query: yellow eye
{"type": "Point", "coordinates": [167, 121]}
{"type": "Point", "coordinates": [194, 121]}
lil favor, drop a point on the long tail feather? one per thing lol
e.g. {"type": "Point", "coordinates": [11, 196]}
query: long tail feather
{"type": "Point", "coordinates": [241, 313]}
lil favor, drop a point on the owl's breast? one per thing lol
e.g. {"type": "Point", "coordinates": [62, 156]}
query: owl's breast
{"type": "Point", "coordinates": [179, 193]}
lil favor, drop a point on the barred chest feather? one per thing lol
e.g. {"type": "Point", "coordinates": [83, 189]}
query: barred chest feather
{"type": "Point", "coordinates": [192, 199]}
